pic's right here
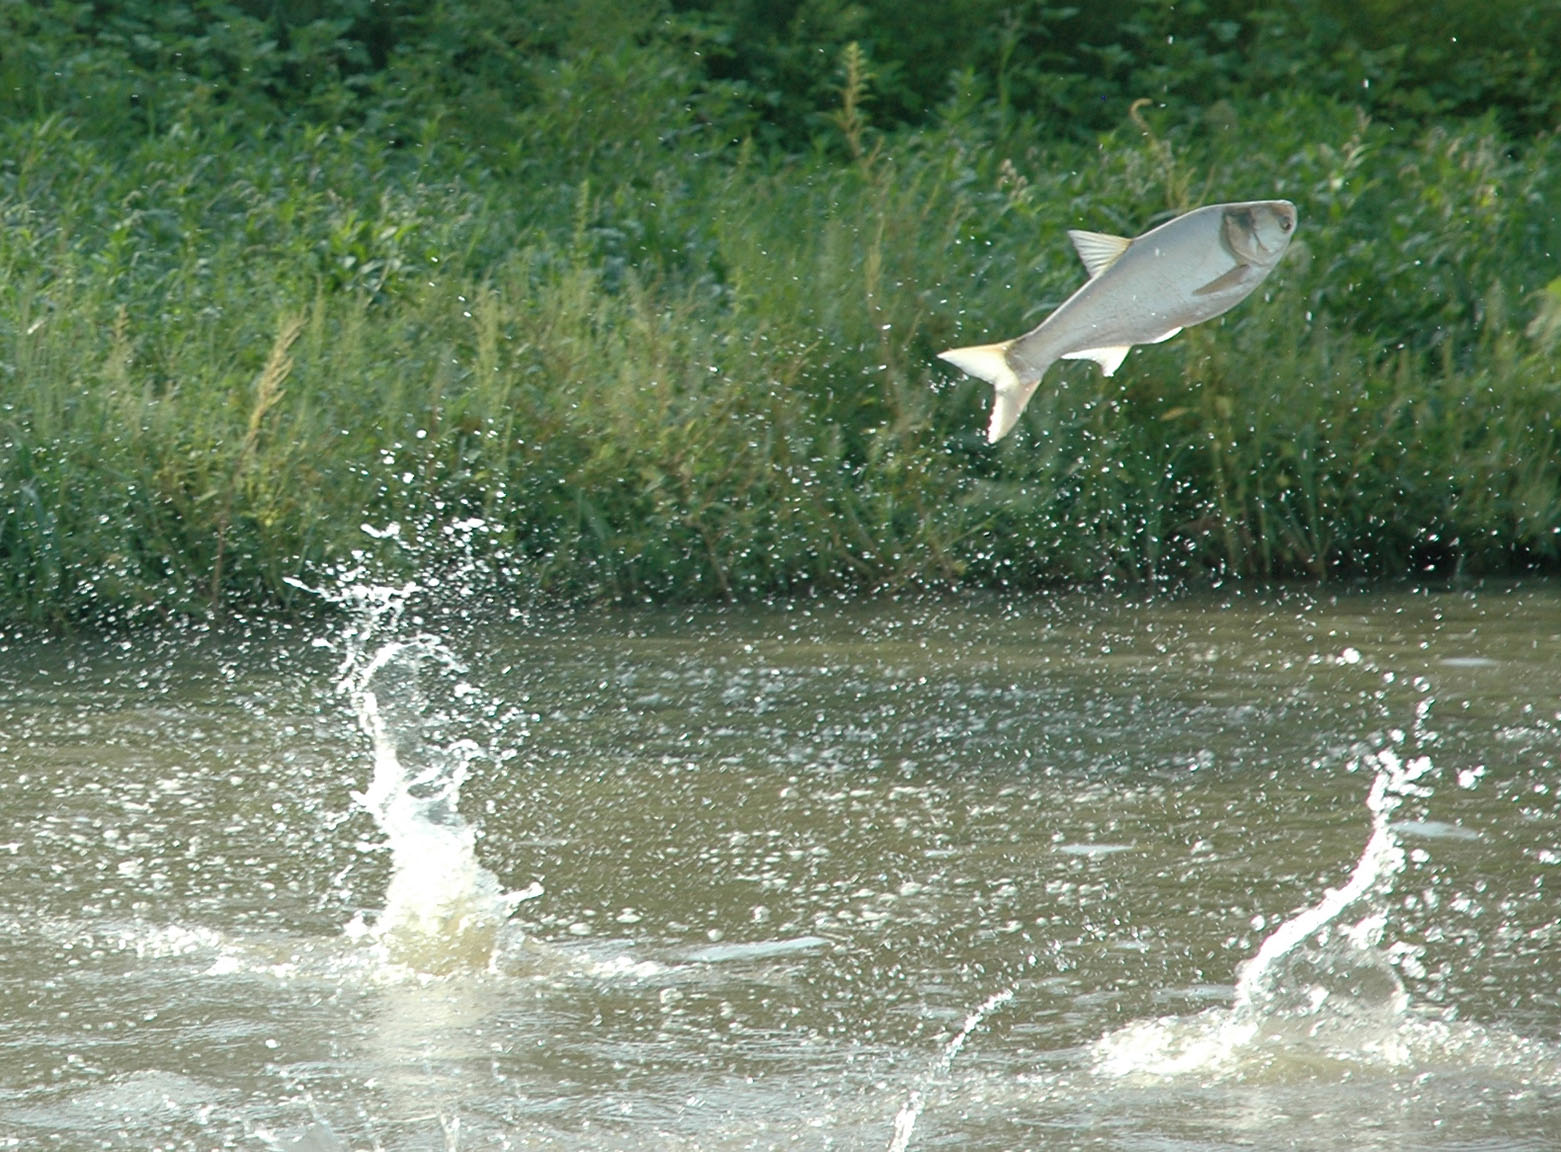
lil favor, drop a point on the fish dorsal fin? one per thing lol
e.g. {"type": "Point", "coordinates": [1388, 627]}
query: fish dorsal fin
{"type": "Point", "coordinates": [1098, 250]}
{"type": "Point", "coordinates": [1109, 359]}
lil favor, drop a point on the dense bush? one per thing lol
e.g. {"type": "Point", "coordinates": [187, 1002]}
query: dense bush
{"type": "Point", "coordinates": [644, 301]}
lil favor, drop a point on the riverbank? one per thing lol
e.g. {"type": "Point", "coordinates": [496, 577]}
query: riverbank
{"type": "Point", "coordinates": [617, 347]}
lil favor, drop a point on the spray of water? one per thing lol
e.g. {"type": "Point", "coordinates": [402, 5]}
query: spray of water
{"type": "Point", "coordinates": [1316, 977]}
{"type": "Point", "coordinates": [905, 1120]}
{"type": "Point", "coordinates": [1259, 980]}
{"type": "Point", "coordinates": [1307, 963]}
{"type": "Point", "coordinates": [443, 909]}
{"type": "Point", "coordinates": [443, 912]}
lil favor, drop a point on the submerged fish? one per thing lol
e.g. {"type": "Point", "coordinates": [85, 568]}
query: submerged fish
{"type": "Point", "coordinates": [1140, 291]}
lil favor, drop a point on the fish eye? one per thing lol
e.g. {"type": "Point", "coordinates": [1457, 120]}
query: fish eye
{"type": "Point", "coordinates": [1284, 224]}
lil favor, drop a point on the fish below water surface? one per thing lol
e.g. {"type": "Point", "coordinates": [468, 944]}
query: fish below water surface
{"type": "Point", "coordinates": [1140, 291]}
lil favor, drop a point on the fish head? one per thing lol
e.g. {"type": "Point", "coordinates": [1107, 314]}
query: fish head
{"type": "Point", "coordinates": [1258, 232]}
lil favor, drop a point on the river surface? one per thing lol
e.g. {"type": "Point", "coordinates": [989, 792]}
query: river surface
{"type": "Point", "coordinates": [1275, 870]}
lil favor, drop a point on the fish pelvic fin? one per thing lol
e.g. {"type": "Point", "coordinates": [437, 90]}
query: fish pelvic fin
{"type": "Point", "coordinates": [1109, 359]}
{"type": "Point", "coordinates": [1011, 392]}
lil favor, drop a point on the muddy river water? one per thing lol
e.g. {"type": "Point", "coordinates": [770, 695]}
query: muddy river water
{"type": "Point", "coordinates": [1268, 870]}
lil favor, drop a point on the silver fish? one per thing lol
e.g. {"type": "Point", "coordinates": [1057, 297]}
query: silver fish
{"type": "Point", "coordinates": [1140, 291]}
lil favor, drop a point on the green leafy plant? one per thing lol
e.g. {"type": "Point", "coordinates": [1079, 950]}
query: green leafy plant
{"type": "Point", "coordinates": [656, 305]}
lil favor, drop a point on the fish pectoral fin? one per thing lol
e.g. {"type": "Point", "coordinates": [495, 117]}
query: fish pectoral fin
{"type": "Point", "coordinates": [1098, 250]}
{"type": "Point", "coordinates": [1109, 359]}
{"type": "Point", "coordinates": [1010, 393]}
{"type": "Point", "coordinates": [1232, 279]}
{"type": "Point", "coordinates": [1164, 336]}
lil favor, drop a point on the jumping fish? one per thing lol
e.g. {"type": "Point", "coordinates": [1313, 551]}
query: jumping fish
{"type": "Point", "coordinates": [1140, 291]}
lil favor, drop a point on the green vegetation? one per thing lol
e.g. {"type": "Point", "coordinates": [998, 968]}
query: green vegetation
{"type": "Point", "coordinates": [653, 292]}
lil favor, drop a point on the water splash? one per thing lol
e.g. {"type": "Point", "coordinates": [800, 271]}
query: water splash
{"type": "Point", "coordinates": [1318, 989]}
{"type": "Point", "coordinates": [910, 1112]}
{"type": "Point", "coordinates": [1262, 981]}
{"type": "Point", "coordinates": [443, 911]}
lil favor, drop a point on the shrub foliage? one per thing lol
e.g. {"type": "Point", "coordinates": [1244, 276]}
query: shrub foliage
{"type": "Point", "coordinates": [642, 300]}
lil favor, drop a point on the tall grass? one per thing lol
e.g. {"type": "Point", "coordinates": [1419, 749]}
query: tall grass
{"type": "Point", "coordinates": [653, 361]}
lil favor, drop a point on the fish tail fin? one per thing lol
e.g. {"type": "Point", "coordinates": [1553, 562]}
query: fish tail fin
{"type": "Point", "coordinates": [1012, 392]}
